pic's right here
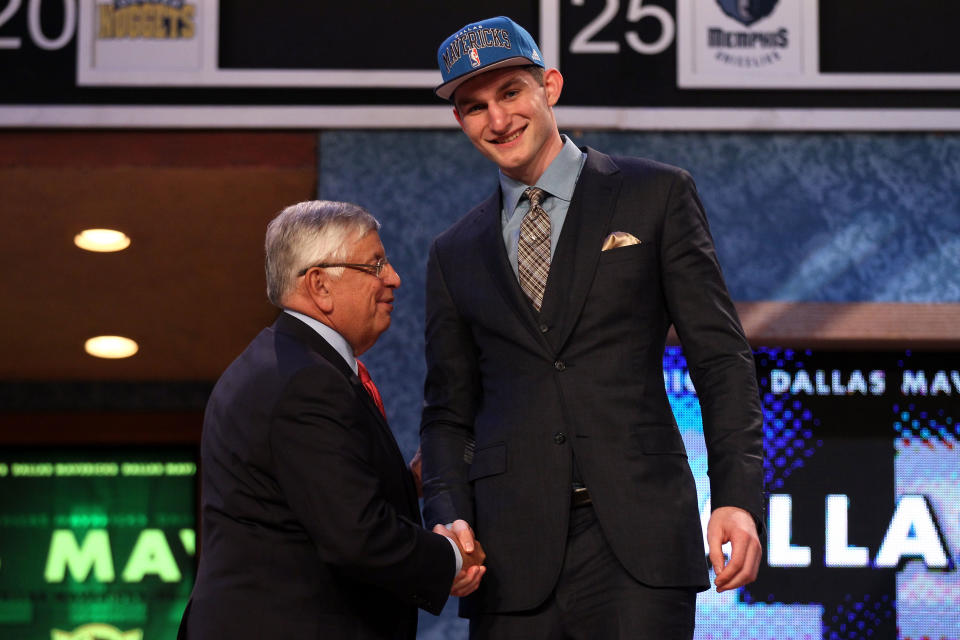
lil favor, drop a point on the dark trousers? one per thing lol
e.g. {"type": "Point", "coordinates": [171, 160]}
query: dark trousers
{"type": "Point", "coordinates": [595, 599]}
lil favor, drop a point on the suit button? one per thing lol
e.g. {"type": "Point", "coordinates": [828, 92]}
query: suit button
{"type": "Point", "coordinates": [559, 365]}
{"type": "Point", "coordinates": [560, 437]}
{"type": "Point", "coordinates": [544, 328]}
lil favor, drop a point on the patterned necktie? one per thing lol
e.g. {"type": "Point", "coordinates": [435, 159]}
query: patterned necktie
{"type": "Point", "coordinates": [533, 249]}
{"type": "Point", "coordinates": [370, 387]}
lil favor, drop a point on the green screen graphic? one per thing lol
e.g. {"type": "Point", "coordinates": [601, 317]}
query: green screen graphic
{"type": "Point", "coordinates": [96, 543]}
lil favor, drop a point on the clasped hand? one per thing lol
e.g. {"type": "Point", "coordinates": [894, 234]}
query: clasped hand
{"type": "Point", "coordinates": [467, 581]}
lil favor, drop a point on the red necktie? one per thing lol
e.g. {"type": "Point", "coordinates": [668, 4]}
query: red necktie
{"type": "Point", "coordinates": [370, 387]}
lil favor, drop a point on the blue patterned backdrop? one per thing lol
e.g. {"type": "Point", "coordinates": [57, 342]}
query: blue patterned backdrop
{"type": "Point", "coordinates": [796, 217]}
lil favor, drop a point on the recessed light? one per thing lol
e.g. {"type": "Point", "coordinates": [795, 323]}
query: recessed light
{"type": "Point", "coordinates": [102, 240]}
{"type": "Point", "coordinates": [112, 347]}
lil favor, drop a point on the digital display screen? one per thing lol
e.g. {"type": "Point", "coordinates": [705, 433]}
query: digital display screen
{"type": "Point", "coordinates": [863, 479]}
{"type": "Point", "coordinates": [659, 64]}
{"type": "Point", "coordinates": [96, 543]}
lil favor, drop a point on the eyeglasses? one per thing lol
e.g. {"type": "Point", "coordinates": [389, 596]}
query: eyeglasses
{"type": "Point", "coordinates": [373, 269]}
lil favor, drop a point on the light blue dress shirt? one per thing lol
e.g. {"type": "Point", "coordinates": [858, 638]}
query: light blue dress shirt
{"type": "Point", "coordinates": [558, 181]}
{"type": "Point", "coordinates": [334, 339]}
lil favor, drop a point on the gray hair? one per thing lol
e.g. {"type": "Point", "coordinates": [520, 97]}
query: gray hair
{"type": "Point", "coordinates": [307, 233]}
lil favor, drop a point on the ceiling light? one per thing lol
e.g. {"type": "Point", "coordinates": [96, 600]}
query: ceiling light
{"type": "Point", "coordinates": [110, 347]}
{"type": "Point", "coordinates": [102, 240]}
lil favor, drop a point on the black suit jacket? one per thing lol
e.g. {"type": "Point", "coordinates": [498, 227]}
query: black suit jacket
{"type": "Point", "coordinates": [311, 526]}
{"type": "Point", "coordinates": [512, 395]}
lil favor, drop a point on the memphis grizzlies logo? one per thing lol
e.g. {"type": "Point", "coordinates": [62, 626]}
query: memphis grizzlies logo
{"type": "Point", "coordinates": [747, 12]}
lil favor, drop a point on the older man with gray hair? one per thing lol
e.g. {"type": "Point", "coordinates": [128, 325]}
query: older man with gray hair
{"type": "Point", "coordinates": [310, 521]}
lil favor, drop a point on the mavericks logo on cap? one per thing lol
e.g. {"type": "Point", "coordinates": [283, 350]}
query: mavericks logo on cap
{"type": "Point", "coordinates": [470, 40]}
{"type": "Point", "coordinates": [487, 44]}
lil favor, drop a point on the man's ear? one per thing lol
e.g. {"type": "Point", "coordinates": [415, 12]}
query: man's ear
{"type": "Point", "coordinates": [552, 85]}
{"type": "Point", "coordinates": [456, 114]}
{"type": "Point", "coordinates": [317, 285]}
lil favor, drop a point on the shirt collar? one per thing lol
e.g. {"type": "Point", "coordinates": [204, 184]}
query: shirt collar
{"type": "Point", "coordinates": [559, 180]}
{"type": "Point", "coordinates": [334, 339]}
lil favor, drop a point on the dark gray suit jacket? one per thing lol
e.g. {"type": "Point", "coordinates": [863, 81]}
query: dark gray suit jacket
{"type": "Point", "coordinates": [512, 395]}
{"type": "Point", "coordinates": [311, 526]}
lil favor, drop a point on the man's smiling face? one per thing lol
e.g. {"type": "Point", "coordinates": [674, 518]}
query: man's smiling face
{"type": "Point", "coordinates": [508, 116]}
{"type": "Point", "coordinates": [361, 301]}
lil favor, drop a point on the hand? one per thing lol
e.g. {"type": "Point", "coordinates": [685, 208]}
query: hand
{"type": "Point", "coordinates": [465, 538]}
{"type": "Point", "coordinates": [736, 526]}
{"type": "Point", "coordinates": [416, 468]}
{"type": "Point", "coordinates": [467, 581]}
{"type": "Point", "coordinates": [472, 553]}
{"type": "Point", "coordinates": [470, 548]}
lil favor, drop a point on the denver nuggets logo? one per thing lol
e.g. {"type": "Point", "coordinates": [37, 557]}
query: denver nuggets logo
{"type": "Point", "coordinates": [474, 57]}
{"type": "Point", "coordinates": [147, 19]}
{"type": "Point", "coordinates": [747, 12]}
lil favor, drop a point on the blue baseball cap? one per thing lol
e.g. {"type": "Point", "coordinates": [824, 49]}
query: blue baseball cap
{"type": "Point", "coordinates": [494, 43]}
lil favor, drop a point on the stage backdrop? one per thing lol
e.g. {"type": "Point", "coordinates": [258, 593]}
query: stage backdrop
{"type": "Point", "coordinates": [862, 447]}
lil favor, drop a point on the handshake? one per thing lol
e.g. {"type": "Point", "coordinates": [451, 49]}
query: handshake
{"type": "Point", "coordinates": [467, 581]}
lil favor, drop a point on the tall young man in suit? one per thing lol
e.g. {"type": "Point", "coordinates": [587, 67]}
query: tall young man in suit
{"type": "Point", "coordinates": [546, 424]}
{"type": "Point", "coordinates": [311, 526]}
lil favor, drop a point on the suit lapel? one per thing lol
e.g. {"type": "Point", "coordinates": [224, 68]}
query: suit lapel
{"type": "Point", "coordinates": [578, 249]}
{"type": "Point", "coordinates": [291, 325]}
{"type": "Point", "coordinates": [286, 323]}
{"type": "Point", "coordinates": [391, 441]}
{"type": "Point", "coordinates": [575, 261]}
{"type": "Point", "coordinates": [498, 265]}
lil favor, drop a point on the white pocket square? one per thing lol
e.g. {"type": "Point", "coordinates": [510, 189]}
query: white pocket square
{"type": "Point", "coordinates": [619, 239]}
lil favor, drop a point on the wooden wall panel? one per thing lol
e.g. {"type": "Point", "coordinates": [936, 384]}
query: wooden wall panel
{"type": "Point", "coordinates": [190, 289]}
